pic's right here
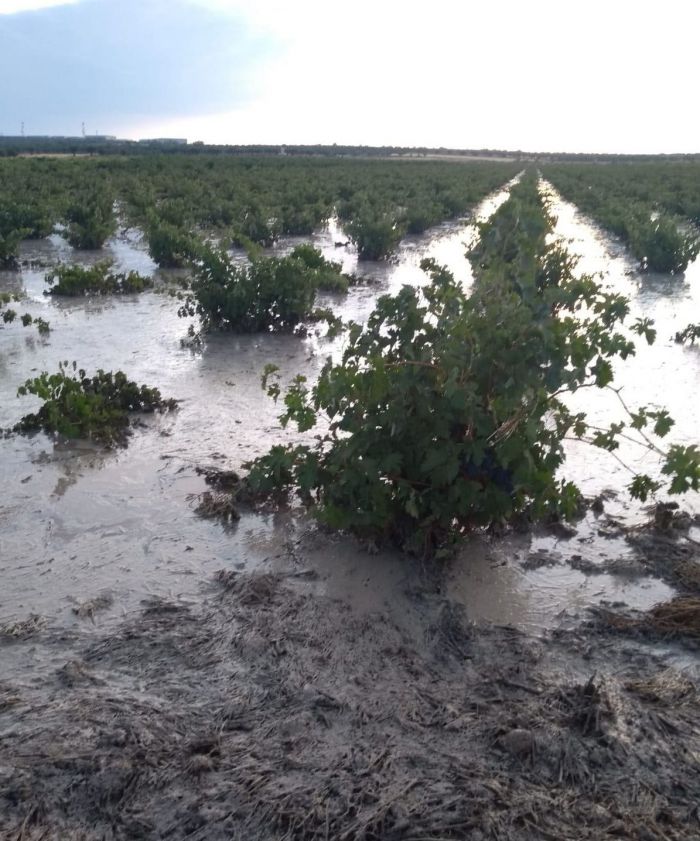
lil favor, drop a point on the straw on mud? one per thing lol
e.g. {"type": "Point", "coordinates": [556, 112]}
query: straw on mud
{"type": "Point", "coordinates": [217, 506]}
{"type": "Point", "coordinates": [668, 687]}
{"type": "Point", "coordinates": [678, 616]}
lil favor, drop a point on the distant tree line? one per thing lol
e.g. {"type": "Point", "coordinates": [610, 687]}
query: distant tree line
{"type": "Point", "coordinates": [15, 145]}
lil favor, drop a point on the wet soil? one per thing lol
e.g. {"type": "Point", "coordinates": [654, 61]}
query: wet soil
{"type": "Point", "coordinates": [275, 711]}
{"type": "Point", "coordinates": [310, 690]}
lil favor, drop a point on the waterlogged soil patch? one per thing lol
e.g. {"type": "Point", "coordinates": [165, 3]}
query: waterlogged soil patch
{"type": "Point", "coordinates": [670, 552]}
{"type": "Point", "coordinates": [665, 547]}
{"type": "Point", "coordinates": [277, 713]}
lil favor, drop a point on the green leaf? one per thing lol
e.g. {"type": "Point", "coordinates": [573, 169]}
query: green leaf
{"type": "Point", "coordinates": [663, 423]}
{"type": "Point", "coordinates": [642, 486]}
{"type": "Point", "coordinates": [603, 372]}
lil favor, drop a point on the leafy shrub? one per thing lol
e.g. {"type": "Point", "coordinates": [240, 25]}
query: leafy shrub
{"type": "Point", "coordinates": [20, 220]}
{"type": "Point", "coordinates": [422, 217]}
{"type": "Point", "coordinates": [258, 225]}
{"type": "Point", "coordinates": [91, 220]}
{"type": "Point", "coordinates": [375, 234]}
{"type": "Point", "coordinates": [170, 246]}
{"type": "Point", "coordinates": [329, 275]}
{"type": "Point", "coordinates": [302, 219]}
{"type": "Point", "coordinates": [269, 294]}
{"type": "Point", "coordinates": [660, 246]}
{"type": "Point", "coordinates": [253, 250]}
{"type": "Point", "coordinates": [445, 412]}
{"type": "Point", "coordinates": [78, 406]}
{"type": "Point", "coordinates": [35, 220]}
{"type": "Point", "coordinates": [78, 280]}
{"type": "Point", "coordinates": [174, 211]}
{"type": "Point", "coordinates": [12, 232]}
{"type": "Point", "coordinates": [9, 246]}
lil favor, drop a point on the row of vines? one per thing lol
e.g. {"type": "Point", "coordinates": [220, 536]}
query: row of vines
{"type": "Point", "coordinates": [653, 208]}
{"type": "Point", "coordinates": [239, 200]}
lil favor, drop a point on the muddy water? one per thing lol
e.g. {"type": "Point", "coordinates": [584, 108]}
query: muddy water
{"type": "Point", "coordinates": [76, 523]}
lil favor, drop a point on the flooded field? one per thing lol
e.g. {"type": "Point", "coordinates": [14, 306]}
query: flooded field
{"type": "Point", "coordinates": [79, 523]}
{"type": "Point", "coordinates": [82, 522]}
{"type": "Point", "coordinates": [163, 675]}
{"type": "Point", "coordinates": [664, 374]}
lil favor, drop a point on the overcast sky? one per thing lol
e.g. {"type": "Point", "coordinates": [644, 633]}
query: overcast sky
{"type": "Point", "coordinates": [543, 75]}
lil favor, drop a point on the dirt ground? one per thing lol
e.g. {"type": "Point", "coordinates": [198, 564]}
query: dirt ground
{"type": "Point", "coordinates": [274, 711]}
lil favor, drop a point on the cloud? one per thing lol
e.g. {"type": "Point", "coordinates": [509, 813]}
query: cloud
{"type": "Point", "coordinates": [12, 7]}
{"type": "Point", "coordinates": [586, 76]}
{"type": "Point", "coordinates": [113, 61]}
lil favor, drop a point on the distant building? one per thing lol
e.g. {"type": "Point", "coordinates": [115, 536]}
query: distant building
{"type": "Point", "coordinates": [30, 138]}
{"type": "Point", "coordinates": [165, 141]}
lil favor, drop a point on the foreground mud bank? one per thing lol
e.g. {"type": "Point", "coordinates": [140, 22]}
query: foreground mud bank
{"type": "Point", "coordinates": [275, 711]}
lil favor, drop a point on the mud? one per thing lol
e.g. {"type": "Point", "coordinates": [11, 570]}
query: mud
{"type": "Point", "coordinates": [276, 712]}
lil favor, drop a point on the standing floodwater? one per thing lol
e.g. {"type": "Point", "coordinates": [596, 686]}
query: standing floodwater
{"type": "Point", "coordinates": [79, 523]}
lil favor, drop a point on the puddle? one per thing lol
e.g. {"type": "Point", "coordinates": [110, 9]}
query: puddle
{"type": "Point", "coordinates": [497, 582]}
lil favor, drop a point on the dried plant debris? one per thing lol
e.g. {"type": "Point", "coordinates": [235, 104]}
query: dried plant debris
{"type": "Point", "coordinates": [677, 618]}
{"type": "Point", "coordinates": [22, 628]}
{"type": "Point", "coordinates": [669, 688]}
{"type": "Point", "coordinates": [217, 506]}
{"type": "Point", "coordinates": [88, 608]}
{"type": "Point", "coordinates": [665, 548]}
{"type": "Point", "coordinates": [586, 707]}
{"type": "Point", "coordinates": [669, 517]}
{"type": "Point", "coordinates": [277, 714]}
{"type": "Point", "coordinates": [223, 481]}
{"type": "Point", "coordinates": [540, 558]}
{"type": "Point", "coordinates": [250, 590]}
